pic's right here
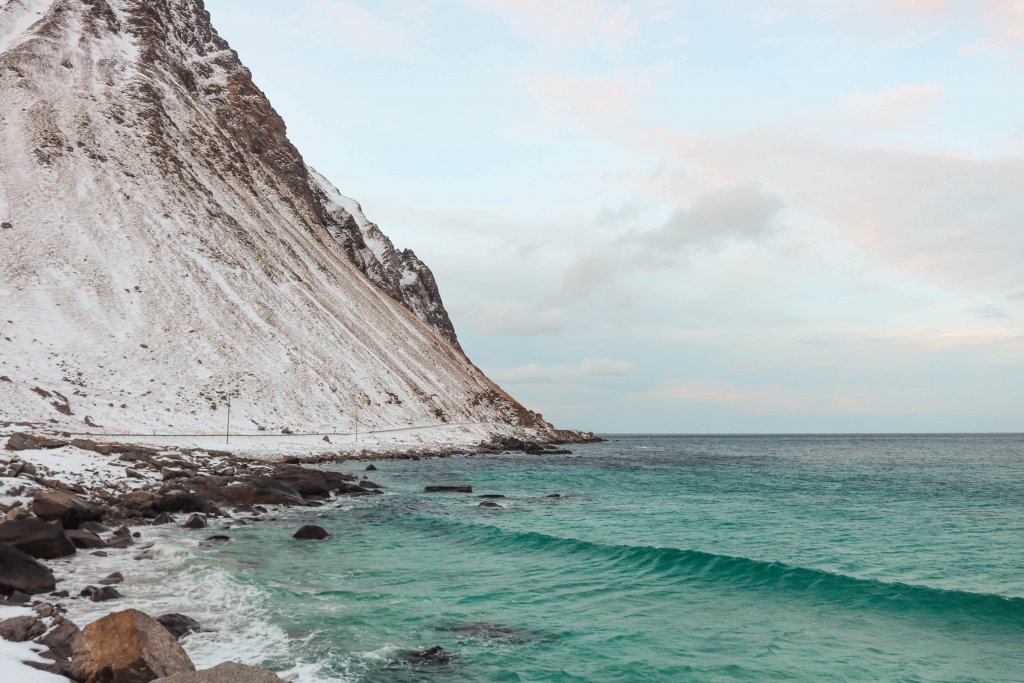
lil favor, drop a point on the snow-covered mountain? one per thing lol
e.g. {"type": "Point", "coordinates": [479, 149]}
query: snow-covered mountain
{"type": "Point", "coordinates": [164, 244]}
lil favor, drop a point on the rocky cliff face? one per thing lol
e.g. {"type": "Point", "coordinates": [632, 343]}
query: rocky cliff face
{"type": "Point", "coordinates": [165, 245]}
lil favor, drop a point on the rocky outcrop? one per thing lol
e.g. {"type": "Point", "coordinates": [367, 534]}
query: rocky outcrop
{"type": "Point", "coordinates": [127, 647]}
{"type": "Point", "coordinates": [68, 509]}
{"type": "Point", "coordinates": [37, 538]}
{"type": "Point", "coordinates": [20, 572]}
{"type": "Point", "coordinates": [228, 672]}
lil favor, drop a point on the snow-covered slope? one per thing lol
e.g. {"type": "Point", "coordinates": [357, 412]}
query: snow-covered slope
{"type": "Point", "coordinates": [163, 244]}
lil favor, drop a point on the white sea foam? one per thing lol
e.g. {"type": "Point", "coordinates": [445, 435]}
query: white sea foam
{"type": "Point", "coordinates": [179, 579]}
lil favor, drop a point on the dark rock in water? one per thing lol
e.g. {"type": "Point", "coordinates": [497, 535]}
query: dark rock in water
{"type": "Point", "coordinates": [228, 672]}
{"type": "Point", "coordinates": [219, 538]}
{"type": "Point", "coordinates": [179, 625]}
{"type": "Point", "coordinates": [100, 553]}
{"type": "Point", "coordinates": [113, 578]}
{"type": "Point", "coordinates": [122, 531]}
{"type": "Point", "coordinates": [311, 532]}
{"type": "Point", "coordinates": [489, 504]}
{"type": "Point", "coordinates": [487, 631]}
{"type": "Point", "coordinates": [492, 496]}
{"type": "Point", "coordinates": [371, 468]}
{"type": "Point", "coordinates": [262, 490]}
{"type": "Point", "coordinates": [162, 518]}
{"type": "Point", "coordinates": [433, 655]}
{"type": "Point", "coordinates": [94, 527]}
{"type": "Point", "coordinates": [367, 484]}
{"type": "Point", "coordinates": [104, 594]}
{"type": "Point", "coordinates": [211, 510]}
{"type": "Point", "coordinates": [127, 647]}
{"type": "Point", "coordinates": [85, 540]}
{"type": "Point", "coordinates": [195, 521]}
{"type": "Point", "coordinates": [448, 489]}
{"type": "Point", "coordinates": [37, 538]}
{"type": "Point", "coordinates": [119, 542]}
{"type": "Point", "coordinates": [60, 594]}
{"type": "Point", "coordinates": [69, 509]}
{"type": "Point", "coordinates": [554, 495]}
{"type": "Point", "coordinates": [178, 501]}
{"type": "Point", "coordinates": [20, 629]}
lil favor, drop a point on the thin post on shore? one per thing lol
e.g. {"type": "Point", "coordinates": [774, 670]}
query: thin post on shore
{"type": "Point", "coordinates": [227, 430]}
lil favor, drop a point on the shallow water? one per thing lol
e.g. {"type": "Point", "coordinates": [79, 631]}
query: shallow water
{"type": "Point", "coordinates": [847, 558]}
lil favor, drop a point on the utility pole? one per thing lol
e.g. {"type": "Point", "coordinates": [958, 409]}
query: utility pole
{"type": "Point", "coordinates": [227, 432]}
{"type": "Point", "coordinates": [357, 424]}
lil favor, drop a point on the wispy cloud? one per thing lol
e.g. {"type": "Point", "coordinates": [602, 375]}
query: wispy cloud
{"type": "Point", "coordinates": [565, 22]}
{"type": "Point", "coordinates": [588, 369]}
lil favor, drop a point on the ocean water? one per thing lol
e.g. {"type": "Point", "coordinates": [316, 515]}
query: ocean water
{"type": "Point", "coordinates": [770, 558]}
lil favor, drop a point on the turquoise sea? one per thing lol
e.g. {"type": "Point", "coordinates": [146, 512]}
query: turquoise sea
{"type": "Point", "coordinates": [664, 558]}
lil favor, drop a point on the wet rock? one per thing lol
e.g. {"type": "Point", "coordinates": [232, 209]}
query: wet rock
{"type": "Point", "coordinates": [179, 625]}
{"type": "Point", "coordinates": [311, 532]}
{"type": "Point", "coordinates": [122, 531]}
{"type": "Point", "coordinates": [100, 553]}
{"type": "Point", "coordinates": [101, 594]}
{"type": "Point", "coordinates": [433, 655]}
{"type": "Point", "coordinates": [490, 504]}
{"type": "Point", "coordinates": [488, 631]}
{"type": "Point", "coordinates": [68, 508]}
{"type": "Point", "coordinates": [218, 538]}
{"type": "Point", "coordinates": [228, 672]}
{"type": "Point", "coordinates": [119, 542]}
{"type": "Point", "coordinates": [371, 468]}
{"type": "Point", "coordinates": [448, 489]}
{"type": "Point", "coordinates": [112, 579]}
{"type": "Point", "coordinates": [162, 518]}
{"type": "Point", "coordinates": [491, 496]}
{"type": "Point", "coordinates": [262, 490]}
{"type": "Point", "coordinates": [85, 540]}
{"type": "Point", "coordinates": [20, 629]}
{"type": "Point", "coordinates": [127, 647]}
{"type": "Point", "coordinates": [37, 538]}
{"type": "Point", "coordinates": [195, 521]}
{"type": "Point", "coordinates": [94, 527]}
{"type": "Point", "coordinates": [554, 495]}
{"type": "Point", "coordinates": [19, 598]}
{"type": "Point", "coordinates": [20, 572]}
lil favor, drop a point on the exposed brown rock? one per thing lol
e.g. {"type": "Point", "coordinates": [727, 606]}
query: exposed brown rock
{"type": "Point", "coordinates": [228, 672]}
{"type": "Point", "coordinates": [66, 507]}
{"type": "Point", "coordinates": [20, 572]}
{"type": "Point", "coordinates": [127, 647]}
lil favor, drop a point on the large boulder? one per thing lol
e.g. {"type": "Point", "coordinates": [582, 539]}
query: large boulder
{"type": "Point", "coordinates": [228, 672]}
{"type": "Point", "coordinates": [68, 508]}
{"type": "Point", "coordinates": [262, 490]}
{"type": "Point", "coordinates": [20, 629]}
{"type": "Point", "coordinates": [177, 500]}
{"type": "Point", "coordinates": [127, 647]}
{"type": "Point", "coordinates": [37, 538]}
{"type": "Point", "coordinates": [20, 572]}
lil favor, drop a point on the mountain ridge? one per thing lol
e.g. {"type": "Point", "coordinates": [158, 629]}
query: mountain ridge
{"type": "Point", "coordinates": [168, 247]}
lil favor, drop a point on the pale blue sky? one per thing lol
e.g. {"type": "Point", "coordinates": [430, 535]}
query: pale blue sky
{"type": "Point", "coordinates": [668, 216]}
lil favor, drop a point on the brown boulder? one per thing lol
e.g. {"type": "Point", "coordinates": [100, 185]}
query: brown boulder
{"type": "Point", "coordinates": [19, 572]}
{"type": "Point", "coordinates": [66, 507]}
{"type": "Point", "coordinates": [85, 540]}
{"type": "Point", "coordinates": [20, 629]}
{"type": "Point", "coordinates": [37, 538]}
{"type": "Point", "coordinates": [228, 672]}
{"type": "Point", "coordinates": [127, 647]}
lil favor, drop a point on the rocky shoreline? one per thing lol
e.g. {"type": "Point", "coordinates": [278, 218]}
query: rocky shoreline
{"type": "Point", "coordinates": [61, 496]}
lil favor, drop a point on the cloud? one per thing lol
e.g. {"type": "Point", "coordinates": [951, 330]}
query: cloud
{"type": "Point", "coordinates": [711, 222]}
{"type": "Point", "coordinates": [564, 22]}
{"type": "Point", "coordinates": [733, 213]}
{"type": "Point", "coordinates": [588, 98]}
{"type": "Point", "coordinates": [891, 106]}
{"type": "Point", "coordinates": [354, 24]}
{"type": "Point", "coordinates": [588, 369]}
{"type": "Point", "coordinates": [988, 312]}
{"type": "Point", "coordinates": [515, 319]}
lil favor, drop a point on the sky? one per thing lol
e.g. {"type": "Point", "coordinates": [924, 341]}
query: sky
{"type": "Point", "coordinates": [688, 217]}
